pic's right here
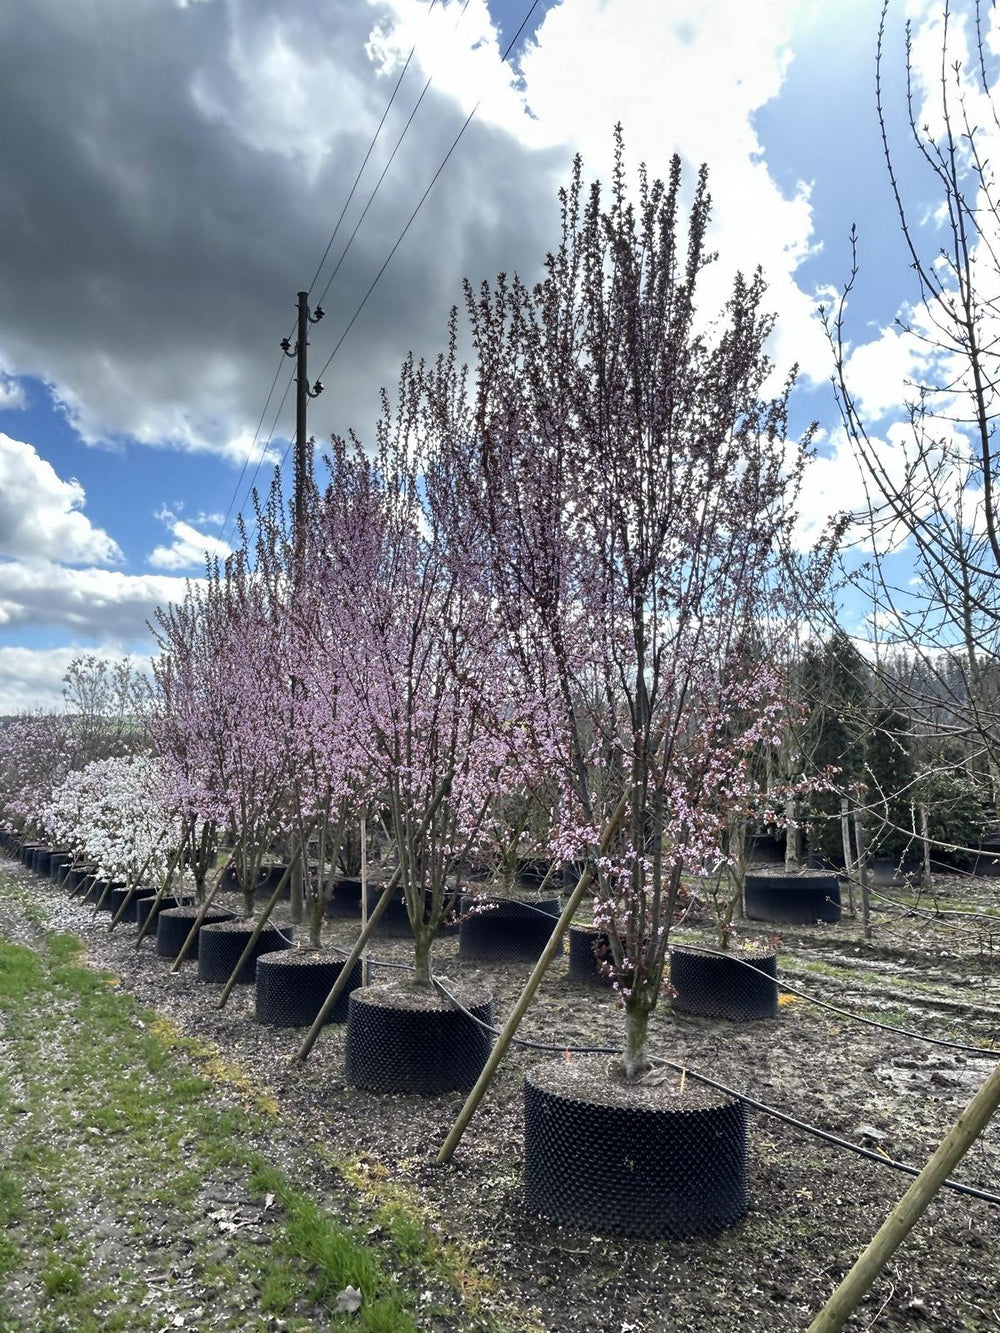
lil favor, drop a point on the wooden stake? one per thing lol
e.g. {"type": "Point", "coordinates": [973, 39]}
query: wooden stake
{"type": "Point", "coordinates": [364, 895]}
{"type": "Point", "coordinates": [845, 838]}
{"type": "Point", "coordinates": [506, 1036]}
{"type": "Point", "coordinates": [859, 838]}
{"type": "Point", "coordinates": [901, 1221]}
{"type": "Point", "coordinates": [926, 839]}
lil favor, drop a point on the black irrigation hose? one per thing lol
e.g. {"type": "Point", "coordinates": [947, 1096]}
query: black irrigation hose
{"type": "Point", "coordinates": [938, 912]}
{"type": "Point", "coordinates": [881, 1158]}
{"type": "Point", "coordinates": [984, 1051]}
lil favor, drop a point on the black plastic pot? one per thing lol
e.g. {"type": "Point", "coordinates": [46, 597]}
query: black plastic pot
{"type": "Point", "coordinates": [793, 899]}
{"type": "Point", "coordinates": [659, 1172]}
{"type": "Point", "coordinates": [41, 859]}
{"type": "Point", "coordinates": [506, 930]}
{"type": "Point", "coordinates": [102, 901]}
{"type": "Point", "coordinates": [117, 896]}
{"type": "Point", "coordinates": [765, 849]}
{"type": "Point", "coordinates": [76, 879]}
{"type": "Point", "coordinates": [292, 985]}
{"type": "Point", "coordinates": [148, 906]}
{"type": "Point", "coordinates": [26, 853]}
{"type": "Point", "coordinates": [221, 945]}
{"type": "Point", "coordinates": [589, 947]}
{"type": "Point", "coordinates": [727, 986]}
{"type": "Point", "coordinates": [58, 862]}
{"type": "Point", "coordinates": [397, 1042]}
{"type": "Point", "coordinates": [345, 901]}
{"type": "Point", "coordinates": [174, 925]}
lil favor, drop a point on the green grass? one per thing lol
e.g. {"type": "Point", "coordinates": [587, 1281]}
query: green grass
{"type": "Point", "coordinates": [102, 1104]}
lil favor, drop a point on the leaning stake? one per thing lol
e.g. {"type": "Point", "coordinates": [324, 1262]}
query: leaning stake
{"type": "Point", "coordinates": [517, 1013]}
{"type": "Point", "coordinates": [901, 1221]}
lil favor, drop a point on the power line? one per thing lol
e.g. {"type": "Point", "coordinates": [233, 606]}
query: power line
{"type": "Point", "coordinates": [385, 171]}
{"type": "Point", "coordinates": [319, 267]}
{"type": "Point", "coordinates": [420, 203]}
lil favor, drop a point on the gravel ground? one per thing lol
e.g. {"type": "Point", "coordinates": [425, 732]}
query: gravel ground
{"type": "Point", "coordinates": [813, 1206]}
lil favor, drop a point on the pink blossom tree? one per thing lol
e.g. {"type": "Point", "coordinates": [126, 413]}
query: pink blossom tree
{"type": "Point", "coordinates": [407, 634]}
{"type": "Point", "coordinates": [635, 487]}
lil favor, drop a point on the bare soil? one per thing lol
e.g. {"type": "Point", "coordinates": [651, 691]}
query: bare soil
{"type": "Point", "coordinates": [814, 1206]}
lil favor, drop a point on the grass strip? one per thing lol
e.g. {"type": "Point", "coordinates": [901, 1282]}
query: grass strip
{"type": "Point", "coordinates": [110, 1121]}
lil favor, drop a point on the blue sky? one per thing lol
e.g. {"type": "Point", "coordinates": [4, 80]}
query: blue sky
{"type": "Point", "coordinates": [177, 180]}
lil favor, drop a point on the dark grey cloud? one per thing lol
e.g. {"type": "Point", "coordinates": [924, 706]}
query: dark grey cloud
{"type": "Point", "coordinates": [170, 176]}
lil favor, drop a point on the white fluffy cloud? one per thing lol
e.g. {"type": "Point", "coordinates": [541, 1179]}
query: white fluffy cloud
{"type": "Point", "coordinates": [103, 604]}
{"type": "Point", "coordinates": [189, 546]}
{"type": "Point", "coordinates": [40, 514]}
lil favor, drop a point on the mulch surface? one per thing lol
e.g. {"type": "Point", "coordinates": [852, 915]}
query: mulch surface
{"type": "Point", "coordinates": [814, 1206]}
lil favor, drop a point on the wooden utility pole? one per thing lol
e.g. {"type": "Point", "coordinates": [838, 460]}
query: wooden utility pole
{"type": "Point", "coordinates": [303, 475]}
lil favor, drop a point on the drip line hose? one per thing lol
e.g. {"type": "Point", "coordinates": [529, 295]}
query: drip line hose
{"type": "Point", "coordinates": [881, 1158]}
{"type": "Point", "coordinates": [982, 1052]}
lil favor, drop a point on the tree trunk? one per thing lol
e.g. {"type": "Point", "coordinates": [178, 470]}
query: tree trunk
{"type": "Point", "coordinates": [635, 1060]}
{"type": "Point", "coordinates": [791, 836]}
{"type": "Point", "coordinates": [422, 942]}
{"type": "Point", "coordinates": [926, 840]}
{"type": "Point", "coordinates": [317, 910]}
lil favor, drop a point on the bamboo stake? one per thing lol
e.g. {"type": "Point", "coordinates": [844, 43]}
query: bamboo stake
{"type": "Point", "coordinates": [926, 839]}
{"type": "Point", "coordinates": [859, 837]}
{"type": "Point", "coordinates": [364, 895]}
{"type": "Point", "coordinates": [506, 1036]}
{"type": "Point", "coordinates": [901, 1221]}
{"type": "Point", "coordinates": [845, 838]}
{"type": "Point", "coordinates": [192, 934]}
{"type": "Point", "coordinates": [309, 1041]}
{"type": "Point", "coordinates": [269, 907]}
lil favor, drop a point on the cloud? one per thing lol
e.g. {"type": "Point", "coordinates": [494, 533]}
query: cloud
{"type": "Point", "coordinates": [12, 395]}
{"type": "Point", "coordinates": [101, 604]}
{"type": "Point", "coordinates": [189, 195]}
{"type": "Point", "coordinates": [189, 547]}
{"type": "Point", "coordinates": [40, 513]}
{"type": "Point", "coordinates": [33, 677]}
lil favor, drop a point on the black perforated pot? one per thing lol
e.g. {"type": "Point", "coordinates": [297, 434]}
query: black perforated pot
{"type": "Point", "coordinates": [793, 899]}
{"type": "Point", "coordinates": [292, 985]}
{"type": "Point", "coordinates": [41, 859]}
{"type": "Point", "coordinates": [589, 947]}
{"type": "Point", "coordinates": [270, 878]}
{"type": "Point", "coordinates": [662, 1168]}
{"type": "Point", "coordinates": [416, 1042]}
{"type": "Point", "coordinates": [174, 925]}
{"type": "Point", "coordinates": [221, 945]}
{"type": "Point", "coordinates": [730, 986]}
{"type": "Point", "coordinates": [506, 930]}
